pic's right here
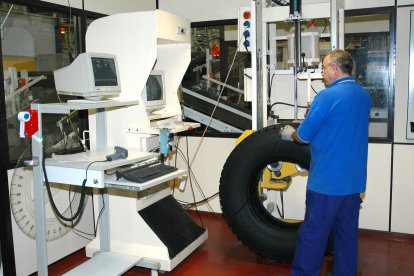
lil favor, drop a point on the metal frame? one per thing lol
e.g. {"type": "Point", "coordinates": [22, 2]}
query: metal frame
{"type": "Point", "coordinates": [39, 194]}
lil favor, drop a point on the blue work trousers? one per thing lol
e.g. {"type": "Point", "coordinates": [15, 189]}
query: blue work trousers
{"type": "Point", "coordinates": [323, 214]}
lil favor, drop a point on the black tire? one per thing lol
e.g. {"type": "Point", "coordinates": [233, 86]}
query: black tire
{"type": "Point", "coordinates": [261, 232]}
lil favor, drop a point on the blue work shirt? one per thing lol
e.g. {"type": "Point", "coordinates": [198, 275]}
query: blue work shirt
{"type": "Point", "coordinates": [337, 129]}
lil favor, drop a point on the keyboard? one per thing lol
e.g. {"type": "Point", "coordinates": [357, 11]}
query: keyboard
{"type": "Point", "coordinates": [145, 172]}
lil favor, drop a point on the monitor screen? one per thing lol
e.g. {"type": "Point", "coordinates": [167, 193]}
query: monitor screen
{"type": "Point", "coordinates": [91, 76]}
{"type": "Point", "coordinates": [154, 91]}
{"type": "Point", "coordinates": [104, 71]}
{"type": "Point", "coordinates": [154, 88]}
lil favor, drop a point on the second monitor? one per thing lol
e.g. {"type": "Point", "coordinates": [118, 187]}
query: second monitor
{"type": "Point", "coordinates": [154, 94]}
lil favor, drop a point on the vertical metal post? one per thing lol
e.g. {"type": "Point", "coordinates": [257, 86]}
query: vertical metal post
{"type": "Point", "coordinates": [295, 14]}
{"type": "Point", "coordinates": [296, 67]}
{"type": "Point", "coordinates": [39, 197]}
{"type": "Point", "coordinates": [101, 143]}
{"type": "Point", "coordinates": [259, 61]}
{"type": "Point", "coordinates": [334, 24]}
{"type": "Point", "coordinates": [254, 65]}
{"type": "Point", "coordinates": [341, 29]}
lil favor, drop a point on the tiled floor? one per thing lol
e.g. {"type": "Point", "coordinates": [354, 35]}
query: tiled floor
{"type": "Point", "coordinates": [222, 254]}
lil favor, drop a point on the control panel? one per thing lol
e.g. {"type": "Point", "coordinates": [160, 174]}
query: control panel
{"type": "Point", "coordinates": [245, 28]}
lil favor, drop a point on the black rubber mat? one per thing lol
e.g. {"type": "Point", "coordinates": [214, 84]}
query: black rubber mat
{"type": "Point", "coordinates": [171, 223]}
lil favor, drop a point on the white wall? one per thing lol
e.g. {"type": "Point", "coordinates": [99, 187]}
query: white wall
{"type": "Point", "coordinates": [109, 6]}
{"type": "Point", "coordinates": [405, 2]}
{"type": "Point", "coordinates": [403, 190]}
{"type": "Point", "coordinates": [360, 4]}
{"type": "Point", "coordinates": [207, 168]}
{"type": "Point", "coordinates": [198, 10]}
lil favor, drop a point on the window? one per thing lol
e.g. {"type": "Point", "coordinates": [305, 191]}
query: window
{"type": "Point", "coordinates": [36, 40]}
{"type": "Point", "coordinates": [368, 38]}
{"type": "Point", "coordinates": [212, 75]}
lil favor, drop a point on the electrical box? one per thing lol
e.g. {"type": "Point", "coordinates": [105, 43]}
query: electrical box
{"type": "Point", "coordinates": [244, 29]}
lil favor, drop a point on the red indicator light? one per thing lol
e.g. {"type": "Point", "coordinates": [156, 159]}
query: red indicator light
{"type": "Point", "coordinates": [215, 50]}
{"type": "Point", "coordinates": [62, 30]}
{"type": "Point", "coordinates": [247, 15]}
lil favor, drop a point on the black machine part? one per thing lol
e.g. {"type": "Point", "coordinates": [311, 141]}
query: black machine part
{"type": "Point", "coordinates": [295, 7]}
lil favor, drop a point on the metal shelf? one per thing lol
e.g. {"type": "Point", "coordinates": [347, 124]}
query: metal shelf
{"type": "Point", "coordinates": [74, 166]}
{"type": "Point", "coordinates": [105, 264]}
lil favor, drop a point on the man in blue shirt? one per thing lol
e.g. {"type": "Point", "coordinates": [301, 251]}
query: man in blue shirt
{"type": "Point", "coordinates": [336, 128]}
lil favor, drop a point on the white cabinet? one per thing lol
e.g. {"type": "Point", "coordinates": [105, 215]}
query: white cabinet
{"type": "Point", "coordinates": [403, 190]}
{"type": "Point", "coordinates": [374, 212]}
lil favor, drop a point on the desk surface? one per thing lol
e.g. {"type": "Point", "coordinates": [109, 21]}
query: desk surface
{"type": "Point", "coordinates": [81, 105]}
{"type": "Point", "coordinates": [83, 159]}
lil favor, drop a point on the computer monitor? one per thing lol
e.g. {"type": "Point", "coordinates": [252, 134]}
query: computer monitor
{"type": "Point", "coordinates": [91, 76]}
{"type": "Point", "coordinates": [153, 94]}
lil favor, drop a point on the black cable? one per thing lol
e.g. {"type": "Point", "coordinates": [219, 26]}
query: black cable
{"type": "Point", "coordinates": [100, 212]}
{"type": "Point", "coordinates": [192, 188]}
{"type": "Point", "coordinates": [324, 28]}
{"type": "Point", "coordinates": [271, 84]}
{"type": "Point", "coordinates": [314, 90]}
{"type": "Point", "coordinates": [192, 204]}
{"type": "Point", "coordinates": [52, 203]}
{"type": "Point", "coordinates": [283, 103]}
{"type": "Point", "coordinates": [71, 213]}
{"type": "Point", "coordinates": [195, 179]}
{"type": "Point", "coordinates": [175, 165]}
{"type": "Point", "coordinates": [281, 213]}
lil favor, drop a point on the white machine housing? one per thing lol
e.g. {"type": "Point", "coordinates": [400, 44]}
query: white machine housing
{"type": "Point", "coordinates": [91, 76]}
{"type": "Point", "coordinates": [161, 43]}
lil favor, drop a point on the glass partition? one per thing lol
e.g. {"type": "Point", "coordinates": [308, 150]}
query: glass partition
{"type": "Point", "coordinates": [368, 39]}
{"type": "Point", "coordinates": [35, 41]}
{"type": "Point", "coordinates": [216, 75]}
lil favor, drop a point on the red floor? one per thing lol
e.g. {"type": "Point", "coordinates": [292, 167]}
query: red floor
{"type": "Point", "coordinates": [222, 254]}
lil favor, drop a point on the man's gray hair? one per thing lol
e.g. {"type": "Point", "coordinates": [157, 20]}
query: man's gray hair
{"type": "Point", "coordinates": [343, 59]}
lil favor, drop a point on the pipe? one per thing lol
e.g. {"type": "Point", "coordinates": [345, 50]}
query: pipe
{"type": "Point", "coordinates": [295, 7]}
{"type": "Point", "coordinates": [296, 67]}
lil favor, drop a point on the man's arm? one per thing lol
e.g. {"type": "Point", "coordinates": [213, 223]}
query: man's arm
{"type": "Point", "coordinates": [296, 138]}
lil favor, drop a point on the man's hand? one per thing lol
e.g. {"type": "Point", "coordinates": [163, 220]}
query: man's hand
{"type": "Point", "coordinates": [286, 133]}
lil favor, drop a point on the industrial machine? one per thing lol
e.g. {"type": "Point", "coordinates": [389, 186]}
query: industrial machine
{"type": "Point", "coordinates": [256, 194]}
{"type": "Point", "coordinates": [149, 224]}
{"type": "Point", "coordinates": [139, 224]}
